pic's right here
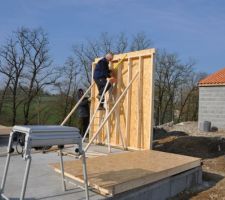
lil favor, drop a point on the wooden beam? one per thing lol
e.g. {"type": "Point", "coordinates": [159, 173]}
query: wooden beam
{"type": "Point", "coordinates": [151, 123]}
{"type": "Point", "coordinates": [107, 132]}
{"type": "Point", "coordinates": [139, 101]}
{"type": "Point", "coordinates": [117, 110]}
{"type": "Point", "coordinates": [127, 131]}
{"type": "Point", "coordinates": [93, 99]}
{"type": "Point", "coordinates": [134, 54]}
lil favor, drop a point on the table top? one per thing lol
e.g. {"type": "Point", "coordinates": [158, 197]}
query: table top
{"type": "Point", "coordinates": [42, 128]}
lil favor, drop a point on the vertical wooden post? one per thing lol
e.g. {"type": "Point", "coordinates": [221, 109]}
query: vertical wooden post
{"type": "Point", "coordinates": [139, 106]}
{"type": "Point", "coordinates": [93, 99]}
{"type": "Point", "coordinates": [117, 110]}
{"type": "Point", "coordinates": [107, 132]}
{"type": "Point", "coordinates": [127, 131]}
{"type": "Point", "coordinates": [151, 124]}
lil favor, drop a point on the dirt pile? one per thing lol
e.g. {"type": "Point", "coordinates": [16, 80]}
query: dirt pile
{"type": "Point", "coordinates": [185, 139]}
{"type": "Point", "coordinates": [203, 147]}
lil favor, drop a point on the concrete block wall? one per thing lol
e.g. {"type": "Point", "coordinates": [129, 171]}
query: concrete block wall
{"type": "Point", "coordinates": [212, 106]}
{"type": "Point", "coordinates": [164, 189]}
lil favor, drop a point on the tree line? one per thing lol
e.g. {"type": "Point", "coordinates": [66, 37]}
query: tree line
{"type": "Point", "coordinates": [34, 90]}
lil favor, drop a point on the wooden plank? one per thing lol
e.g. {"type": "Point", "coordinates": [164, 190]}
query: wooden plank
{"type": "Point", "coordinates": [117, 110]}
{"type": "Point", "coordinates": [139, 101]}
{"type": "Point", "coordinates": [135, 169]}
{"type": "Point", "coordinates": [134, 107]}
{"type": "Point", "coordinates": [128, 109]}
{"type": "Point", "coordinates": [107, 131]}
{"type": "Point", "coordinates": [100, 116]}
{"type": "Point", "coordinates": [134, 54]}
{"type": "Point", "coordinates": [93, 99]}
{"type": "Point", "coordinates": [151, 103]}
{"type": "Point", "coordinates": [4, 130]}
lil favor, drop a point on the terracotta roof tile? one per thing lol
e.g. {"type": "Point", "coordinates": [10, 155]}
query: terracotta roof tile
{"type": "Point", "coordinates": [217, 78]}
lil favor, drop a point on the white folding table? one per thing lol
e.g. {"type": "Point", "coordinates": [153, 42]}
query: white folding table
{"type": "Point", "coordinates": [41, 136]}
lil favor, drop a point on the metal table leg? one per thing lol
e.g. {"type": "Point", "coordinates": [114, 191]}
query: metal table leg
{"type": "Point", "coordinates": [6, 164]}
{"type": "Point", "coordinates": [62, 170]}
{"type": "Point", "coordinates": [5, 173]}
{"type": "Point", "coordinates": [85, 175]}
{"type": "Point", "coordinates": [25, 178]}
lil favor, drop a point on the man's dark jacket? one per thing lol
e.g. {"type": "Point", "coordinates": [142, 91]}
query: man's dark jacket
{"type": "Point", "coordinates": [102, 69]}
{"type": "Point", "coordinates": [83, 108]}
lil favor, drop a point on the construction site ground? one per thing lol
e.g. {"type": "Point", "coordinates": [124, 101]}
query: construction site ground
{"type": "Point", "coordinates": [183, 138]}
{"type": "Point", "coordinates": [43, 182]}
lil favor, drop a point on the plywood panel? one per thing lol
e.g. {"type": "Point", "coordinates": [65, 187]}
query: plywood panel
{"type": "Point", "coordinates": [116, 173]}
{"type": "Point", "coordinates": [133, 117]}
{"type": "Point", "coordinates": [4, 130]}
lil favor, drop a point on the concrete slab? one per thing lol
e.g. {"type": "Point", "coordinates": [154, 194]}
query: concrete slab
{"type": "Point", "coordinates": [43, 183]}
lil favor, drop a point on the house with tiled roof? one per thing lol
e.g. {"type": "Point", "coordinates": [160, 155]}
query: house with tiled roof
{"type": "Point", "coordinates": [212, 100]}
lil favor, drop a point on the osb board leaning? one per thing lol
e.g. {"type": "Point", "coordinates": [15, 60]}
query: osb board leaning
{"type": "Point", "coordinates": [133, 118]}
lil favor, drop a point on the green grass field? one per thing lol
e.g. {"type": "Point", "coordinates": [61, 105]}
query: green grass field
{"type": "Point", "coordinates": [44, 110]}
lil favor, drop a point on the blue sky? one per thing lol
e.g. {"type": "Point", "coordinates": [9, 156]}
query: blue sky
{"type": "Point", "coordinates": [190, 28]}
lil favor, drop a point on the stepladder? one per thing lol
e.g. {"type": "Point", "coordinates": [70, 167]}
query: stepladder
{"type": "Point", "coordinates": [98, 117]}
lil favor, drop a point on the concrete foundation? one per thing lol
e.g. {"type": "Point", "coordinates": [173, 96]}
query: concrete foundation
{"type": "Point", "coordinates": [44, 183]}
{"type": "Point", "coordinates": [165, 188]}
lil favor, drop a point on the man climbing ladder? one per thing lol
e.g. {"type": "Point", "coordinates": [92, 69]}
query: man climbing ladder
{"type": "Point", "coordinates": [101, 73]}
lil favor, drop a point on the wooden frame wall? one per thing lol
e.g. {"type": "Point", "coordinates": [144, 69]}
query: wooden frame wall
{"type": "Point", "coordinates": [133, 119]}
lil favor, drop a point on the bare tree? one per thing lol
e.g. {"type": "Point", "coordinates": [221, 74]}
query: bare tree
{"type": "Point", "coordinates": [5, 84]}
{"type": "Point", "coordinates": [68, 85]}
{"type": "Point", "coordinates": [106, 43]}
{"type": "Point", "coordinates": [27, 71]}
{"type": "Point", "coordinates": [84, 56]}
{"type": "Point", "coordinates": [140, 41]}
{"type": "Point", "coordinates": [85, 53]}
{"type": "Point", "coordinates": [121, 44]}
{"type": "Point", "coordinates": [13, 57]}
{"type": "Point", "coordinates": [188, 101]}
{"type": "Point", "coordinates": [170, 74]}
{"type": "Point", "coordinates": [38, 72]}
